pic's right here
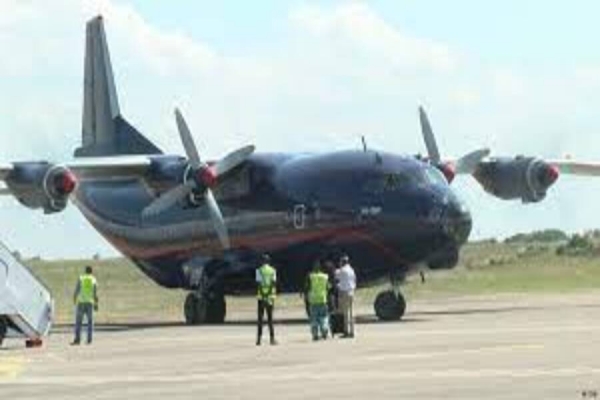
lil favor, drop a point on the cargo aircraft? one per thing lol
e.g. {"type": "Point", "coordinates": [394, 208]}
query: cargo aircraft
{"type": "Point", "coordinates": [202, 225]}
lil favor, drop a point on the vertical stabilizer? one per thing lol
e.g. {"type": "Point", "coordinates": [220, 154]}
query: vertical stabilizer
{"type": "Point", "coordinates": [104, 131]}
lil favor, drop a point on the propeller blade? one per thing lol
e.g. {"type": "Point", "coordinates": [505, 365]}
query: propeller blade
{"type": "Point", "coordinates": [186, 138]}
{"type": "Point", "coordinates": [233, 159]}
{"type": "Point", "coordinates": [469, 162]}
{"type": "Point", "coordinates": [168, 199]}
{"type": "Point", "coordinates": [217, 219]}
{"type": "Point", "coordinates": [430, 143]}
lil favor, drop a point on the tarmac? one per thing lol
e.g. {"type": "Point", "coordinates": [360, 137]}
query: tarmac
{"type": "Point", "coordinates": [502, 347]}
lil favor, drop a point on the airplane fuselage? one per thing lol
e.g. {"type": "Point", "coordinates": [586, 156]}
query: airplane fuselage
{"type": "Point", "coordinates": [390, 213]}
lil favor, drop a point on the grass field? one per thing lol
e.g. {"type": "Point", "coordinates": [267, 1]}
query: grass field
{"type": "Point", "coordinates": [485, 268]}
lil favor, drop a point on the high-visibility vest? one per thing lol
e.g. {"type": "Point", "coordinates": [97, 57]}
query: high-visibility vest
{"type": "Point", "coordinates": [87, 283]}
{"type": "Point", "coordinates": [267, 274]}
{"type": "Point", "coordinates": [319, 283]}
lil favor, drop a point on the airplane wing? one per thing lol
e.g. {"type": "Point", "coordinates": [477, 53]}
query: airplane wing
{"type": "Point", "coordinates": [88, 168]}
{"type": "Point", "coordinates": [45, 185]}
{"type": "Point", "coordinates": [118, 167]}
{"type": "Point", "coordinates": [572, 167]}
{"type": "Point", "coordinates": [508, 178]}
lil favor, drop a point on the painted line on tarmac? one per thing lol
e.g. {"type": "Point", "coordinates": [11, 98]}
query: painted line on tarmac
{"type": "Point", "coordinates": [208, 378]}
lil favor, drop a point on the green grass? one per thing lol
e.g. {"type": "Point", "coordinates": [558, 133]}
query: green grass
{"type": "Point", "coordinates": [485, 268]}
{"type": "Point", "coordinates": [126, 294]}
{"type": "Point", "coordinates": [500, 268]}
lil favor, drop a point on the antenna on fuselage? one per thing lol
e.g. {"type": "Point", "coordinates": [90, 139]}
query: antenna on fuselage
{"type": "Point", "coordinates": [364, 143]}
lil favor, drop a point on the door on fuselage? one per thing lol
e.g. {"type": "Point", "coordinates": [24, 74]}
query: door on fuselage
{"type": "Point", "coordinates": [305, 217]}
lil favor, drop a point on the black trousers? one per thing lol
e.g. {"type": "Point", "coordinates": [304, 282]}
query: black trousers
{"type": "Point", "coordinates": [262, 307]}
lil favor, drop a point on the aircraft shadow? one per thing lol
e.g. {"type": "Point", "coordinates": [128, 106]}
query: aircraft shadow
{"type": "Point", "coordinates": [473, 311]}
{"type": "Point", "coordinates": [412, 317]}
{"type": "Point", "coordinates": [135, 326]}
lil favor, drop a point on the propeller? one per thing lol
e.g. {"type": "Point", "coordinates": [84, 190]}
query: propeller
{"type": "Point", "coordinates": [199, 179]}
{"type": "Point", "coordinates": [464, 165]}
{"type": "Point", "coordinates": [469, 162]}
{"type": "Point", "coordinates": [429, 137]}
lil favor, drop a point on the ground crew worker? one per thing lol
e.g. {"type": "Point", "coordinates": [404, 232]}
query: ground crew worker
{"type": "Point", "coordinates": [317, 289]}
{"type": "Point", "coordinates": [266, 279]}
{"type": "Point", "coordinates": [86, 299]}
{"type": "Point", "coordinates": [346, 283]}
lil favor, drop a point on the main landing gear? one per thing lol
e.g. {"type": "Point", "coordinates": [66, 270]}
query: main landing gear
{"type": "Point", "coordinates": [205, 308]}
{"type": "Point", "coordinates": [390, 305]}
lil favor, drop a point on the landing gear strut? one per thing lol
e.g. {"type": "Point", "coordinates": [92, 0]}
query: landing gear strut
{"type": "Point", "coordinates": [209, 308]}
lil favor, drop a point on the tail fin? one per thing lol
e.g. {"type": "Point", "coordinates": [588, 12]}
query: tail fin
{"type": "Point", "coordinates": [104, 131]}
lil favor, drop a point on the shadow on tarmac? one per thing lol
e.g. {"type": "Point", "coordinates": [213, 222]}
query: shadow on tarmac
{"type": "Point", "coordinates": [135, 326]}
{"type": "Point", "coordinates": [412, 317]}
{"type": "Point", "coordinates": [473, 311]}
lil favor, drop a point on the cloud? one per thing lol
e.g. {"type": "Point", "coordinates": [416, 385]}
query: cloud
{"type": "Point", "coordinates": [357, 25]}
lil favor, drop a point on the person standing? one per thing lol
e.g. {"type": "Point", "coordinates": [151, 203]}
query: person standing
{"type": "Point", "coordinates": [86, 300]}
{"type": "Point", "coordinates": [266, 279]}
{"type": "Point", "coordinates": [346, 283]}
{"type": "Point", "coordinates": [317, 290]}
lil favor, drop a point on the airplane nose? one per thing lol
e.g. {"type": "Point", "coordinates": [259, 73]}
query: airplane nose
{"type": "Point", "coordinates": [457, 221]}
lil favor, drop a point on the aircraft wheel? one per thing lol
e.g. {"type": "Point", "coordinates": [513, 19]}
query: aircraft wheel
{"type": "Point", "coordinates": [216, 310]}
{"type": "Point", "coordinates": [204, 309]}
{"type": "Point", "coordinates": [195, 309]}
{"type": "Point", "coordinates": [389, 306]}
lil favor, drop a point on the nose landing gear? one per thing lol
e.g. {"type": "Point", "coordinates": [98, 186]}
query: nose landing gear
{"type": "Point", "coordinates": [390, 305]}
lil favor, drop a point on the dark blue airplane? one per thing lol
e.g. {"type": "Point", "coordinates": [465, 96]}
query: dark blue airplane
{"type": "Point", "coordinates": [202, 226]}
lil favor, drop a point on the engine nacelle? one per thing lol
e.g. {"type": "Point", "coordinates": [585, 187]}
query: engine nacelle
{"type": "Point", "coordinates": [524, 178]}
{"type": "Point", "coordinates": [41, 185]}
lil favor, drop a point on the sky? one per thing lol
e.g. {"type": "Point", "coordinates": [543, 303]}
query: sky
{"type": "Point", "coordinates": [520, 77]}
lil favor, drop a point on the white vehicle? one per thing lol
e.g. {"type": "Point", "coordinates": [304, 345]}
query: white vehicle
{"type": "Point", "coordinates": [26, 305]}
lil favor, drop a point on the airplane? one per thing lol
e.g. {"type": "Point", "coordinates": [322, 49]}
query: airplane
{"type": "Point", "coordinates": [203, 225]}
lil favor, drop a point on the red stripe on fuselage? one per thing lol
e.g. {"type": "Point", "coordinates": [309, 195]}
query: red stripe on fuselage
{"type": "Point", "coordinates": [259, 242]}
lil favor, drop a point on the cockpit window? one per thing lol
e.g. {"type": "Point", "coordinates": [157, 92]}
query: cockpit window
{"type": "Point", "coordinates": [394, 181]}
{"type": "Point", "coordinates": [389, 182]}
{"type": "Point", "coordinates": [434, 176]}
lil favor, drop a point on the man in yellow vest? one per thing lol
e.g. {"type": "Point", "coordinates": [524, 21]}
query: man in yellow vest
{"type": "Point", "coordinates": [317, 289]}
{"type": "Point", "coordinates": [86, 299]}
{"type": "Point", "coordinates": [266, 279]}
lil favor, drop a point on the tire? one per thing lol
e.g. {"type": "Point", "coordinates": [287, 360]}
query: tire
{"type": "Point", "coordinates": [194, 310]}
{"type": "Point", "coordinates": [200, 310]}
{"type": "Point", "coordinates": [389, 306]}
{"type": "Point", "coordinates": [216, 310]}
